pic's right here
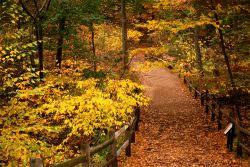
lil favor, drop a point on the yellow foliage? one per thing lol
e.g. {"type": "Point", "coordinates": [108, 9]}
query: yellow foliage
{"type": "Point", "coordinates": [153, 51]}
{"type": "Point", "coordinates": [148, 65]}
{"type": "Point", "coordinates": [35, 118]}
{"type": "Point", "coordinates": [134, 35]}
{"type": "Point", "coordinates": [107, 40]}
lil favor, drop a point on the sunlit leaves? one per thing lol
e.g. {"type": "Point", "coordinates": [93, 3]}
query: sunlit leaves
{"type": "Point", "coordinates": [134, 35]}
{"type": "Point", "coordinates": [14, 51]}
{"type": "Point", "coordinates": [44, 113]}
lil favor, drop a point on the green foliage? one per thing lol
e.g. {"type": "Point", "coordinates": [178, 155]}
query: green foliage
{"type": "Point", "coordinates": [87, 73]}
{"type": "Point", "coordinates": [174, 29]}
{"type": "Point", "coordinates": [15, 53]}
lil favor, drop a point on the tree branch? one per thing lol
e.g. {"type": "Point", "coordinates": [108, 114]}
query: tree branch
{"type": "Point", "coordinates": [37, 9]}
{"type": "Point", "coordinates": [46, 3]}
{"type": "Point", "coordinates": [26, 10]}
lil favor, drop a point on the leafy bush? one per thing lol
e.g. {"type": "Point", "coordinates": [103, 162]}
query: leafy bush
{"type": "Point", "coordinates": [87, 73]}
{"type": "Point", "coordinates": [51, 123]}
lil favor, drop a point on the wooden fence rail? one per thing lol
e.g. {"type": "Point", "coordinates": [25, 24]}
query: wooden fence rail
{"type": "Point", "coordinates": [87, 152]}
{"type": "Point", "coordinates": [212, 105]}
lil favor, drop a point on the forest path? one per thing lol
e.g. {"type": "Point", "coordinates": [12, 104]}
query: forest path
{"type": "Point", "coordinates": [175, 131]}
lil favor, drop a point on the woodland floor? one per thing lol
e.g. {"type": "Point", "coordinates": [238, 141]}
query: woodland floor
{"type": "Point", "coordinates": [175, 131]}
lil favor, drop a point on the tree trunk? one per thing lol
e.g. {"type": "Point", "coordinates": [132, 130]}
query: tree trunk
{"type": "Point", "coordinates": [235, 95]}
{"type": "Point", "coordinates": [223, 49]}
{"type": "Point", "coordinates": [37, 17]}
{"type": "Point", "coordinates": [93, 45]}
{"type": "Point", "coordinates": [60, 43]}
{"type": "Point", "coordinates": [32, 57]}
{"type": "Point", "coordinates": [230, 74]}
{"type": "Point", "coordinates": [197, 49]}
{"type": "Point", "coordinates": [124, 34]}
{"type": "Point", "coordinates": [39, 37]}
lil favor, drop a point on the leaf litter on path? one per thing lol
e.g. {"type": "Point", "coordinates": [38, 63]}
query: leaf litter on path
{"type": "Point", "coordinates": [175, 131]}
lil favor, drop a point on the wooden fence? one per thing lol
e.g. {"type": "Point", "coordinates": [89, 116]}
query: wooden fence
{"type": "Point", "coordinates": [87, 151]}
{"type": "Point", "coordinates": [211, 105]}
{"type": "Point", "coordinates": [233, 130]}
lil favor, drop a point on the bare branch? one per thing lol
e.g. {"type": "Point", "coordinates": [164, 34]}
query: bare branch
{"type": "Point", "coordinates": [37, 9]}
{"type": "Point", "coordinates": [46, 3]}
{"type": "Point", "coordinates": [26, 10]}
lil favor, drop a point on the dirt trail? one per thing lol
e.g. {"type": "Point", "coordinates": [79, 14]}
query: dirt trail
{"type": "Point", "coordinates": [175, 131]}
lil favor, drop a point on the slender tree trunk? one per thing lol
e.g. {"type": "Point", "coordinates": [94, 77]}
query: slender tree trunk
{"type": "Point", "coordinates": [93, 45]}
{"type": "Point", "coordinates": [124, 34]}
{"type": "Point", "coordinates": [37, 17]}
{"type": "Point", "coordinates": [60, 43]}
{"type": "Point", "coordinates": [230, 74]}
{"type": "Point", "coordinates": [39, 37]}
{"type": "Point", "coordinates": [226, 58]}
{"type": "Point", "coordinates": [197, 49]}
{"type": "Point", "coordinates": [235, 93]}
{"type": "Point", "coordinates": [32, 59]}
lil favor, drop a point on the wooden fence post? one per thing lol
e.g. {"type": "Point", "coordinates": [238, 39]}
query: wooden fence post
{"type": "Point", "coordinates": [113, 149]}
{"type": "Point", "coordinates": [137, 115]}
{"type": "Point", "coordinates": [206, 96]}
{"type": "Point", "coordinates": [232, 133]}
{"type": "Point", "coordinates": [202, 98]}
{"type": "Point", "coordinates": [232, 138]}
{"type": "Point", "coordinates": [133, 136]}
{"type": "Point", "coordinates": [212, 112]}
{"type": "Point", "coordinates": [239, 148]}
{"type": "Point", "coordinates": [36, 162]}
{"type": "Point", "coordinates": [195, 93]}
{"type": "Point", "coordinates": [128, 148]}
{"type": "Point", "coordinates": [206, 107]}
{"type": "Point", "coordinates": [219, 117]}
{"type": "Point", "coordinates": [85, 150]}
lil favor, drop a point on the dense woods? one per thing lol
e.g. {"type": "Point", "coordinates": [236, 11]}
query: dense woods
{"type": "Point", "coordinates": [66, 75]}
{"type": "Point", "coordinates": [210, 40]}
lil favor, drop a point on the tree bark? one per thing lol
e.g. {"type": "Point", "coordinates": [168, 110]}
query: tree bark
{"type": "Point", "coordinates": [230, 74]}
{"type": "Point", "coordinates": [124, 34]}
{"type": "Point", "coordinates": [93, 45]}
{"type": "Point", "coordinates": [32, 57]}
{"type": "Point", "coordinates": [197, 49]}
{"type": "Point", "coordinates": [235, 95]}
{"type": "Point", "coordinates": [37, 17]}
{"type": "Point", "coordinates": [223, 49]}
{"type": "Point", "coordinates": [60, 43]}
{"type": "Point", "coordinates": [39, 38]}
